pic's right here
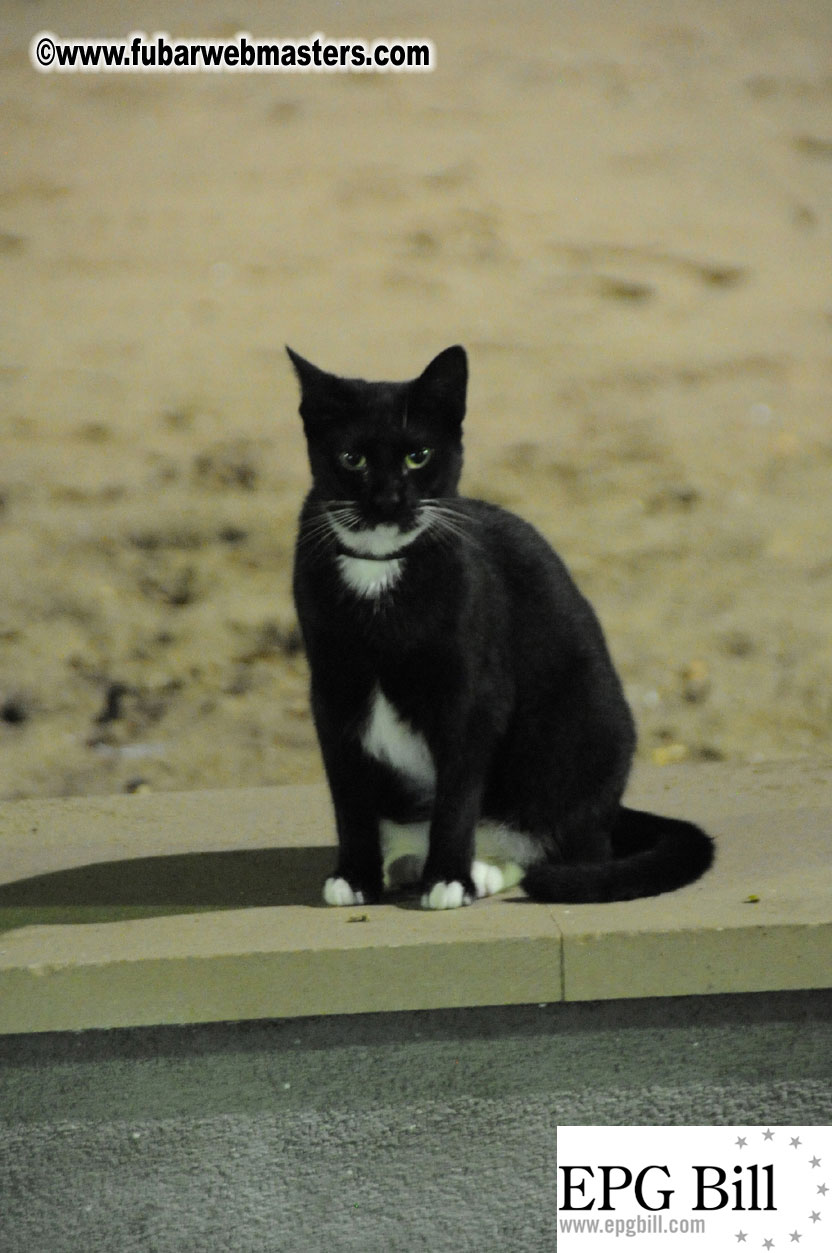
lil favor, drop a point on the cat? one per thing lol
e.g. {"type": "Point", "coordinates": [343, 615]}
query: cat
{"type": "Point", "coordinates": [473, 729]}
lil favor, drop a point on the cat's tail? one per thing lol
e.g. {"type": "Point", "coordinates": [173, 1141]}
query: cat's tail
{"type": "Point", "coordinates": [651, 855]}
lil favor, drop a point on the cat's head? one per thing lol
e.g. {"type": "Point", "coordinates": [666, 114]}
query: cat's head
{"type": "Point", "coordinates": [383, 448]}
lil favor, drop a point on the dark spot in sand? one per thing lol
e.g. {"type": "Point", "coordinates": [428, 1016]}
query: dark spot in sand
{"type": "Point", "coordinates": [239, 685]}
{"type": "Point", "coordinates": [152, 541]}
{"type": "Point", "coordinates": [804, 217]}
{"type": "Point", "coordinates": [113, 703]}
{"type": "Point", "coordinates": [631, 291]}
{"type": "Point", "coordinates": [178, 589]}
{"type": "Point", "coordinates": [812, 146]}
{"type": "Point", "coordinates": [13, 711]}
{"type": "Point", "coordinates": [707, 752]}
{"type": "Point", "coordinates": [273, 640]}
{"type": "Point", "coordinates": [94, 432]}
{"type": "Point", "coordinates": [761, 86]}
{"type": "Point", "coordinates": [722, 275]}
{"type": "Point", "coordinates": [146, 541]}
{"type": "Point", "coordinates": [283, 111]}
{"type": "Point", "coordinates": [232, 535]}
{"type": "Point", "coordinates": [179, 419]}
{"type": "Point", "coordinates": [679, 498]}
{"type": "Point", "coordinates": [136, 785]}
{"type": "Point", "coordinates": [182, 591]}
{"type": "Point", "coordinates": [226, 468]}
{"type": "Point", "coordinates": [738, 644]}
{"type": "Point", "coordinates": [422, 244]}
{"type": "Point", "coordinates": [11, 244]}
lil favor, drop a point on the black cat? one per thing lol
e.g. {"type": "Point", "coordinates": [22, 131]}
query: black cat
{"type": "Point", "coordinates": [473, 729]}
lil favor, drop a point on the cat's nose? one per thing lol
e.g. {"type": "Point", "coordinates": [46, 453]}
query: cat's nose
{"type": "Point", "coordinates": [387, 501]}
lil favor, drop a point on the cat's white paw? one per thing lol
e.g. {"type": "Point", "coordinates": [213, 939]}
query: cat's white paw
{"type": "Point", "coordinates": [488, 878]}
{"type": "Point", "coordinates": [338, 892]}
{"type": "Point", "coordinates": [446, 896]}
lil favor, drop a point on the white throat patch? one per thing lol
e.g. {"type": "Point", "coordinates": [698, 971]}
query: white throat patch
{"type": "Point", "coordinates": [368, 577]}
{"type": "Point", "coordinates": [363, 567]}
{"type": "Point", "coordinates": [374, 541]}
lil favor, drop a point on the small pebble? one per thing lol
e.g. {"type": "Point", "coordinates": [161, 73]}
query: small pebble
{"type": "Point", "coordinates": [136, 786]}
{"type": "Point", "coordinates": [696, 681]}
{"type": "Point", "coordinates": [670, 754]}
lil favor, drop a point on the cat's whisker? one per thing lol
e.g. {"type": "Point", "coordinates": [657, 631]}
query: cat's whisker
{"type": "Point", "coordinates": [347, 516]}
{"type": "Point", "coordinates": [448, 508]}
{"type": "Point", "coordinates": [314, 543]}
{"type": "Point", "coordinates": [318, 531]}
{"type": "Point", "coordinates": [437, 523]}
{"type": "Point", "coordinates": [440, 528]}
{"type": "Point", "coordinates": [444, 523]}
{"type": "Point", "coordinates": [313, 529]}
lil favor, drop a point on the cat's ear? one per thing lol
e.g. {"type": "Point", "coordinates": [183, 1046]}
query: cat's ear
{"type": "Point", "coordinates": [441, 387]}
{"type": "Point", "coordinates": [319, 391]}
{"type": "Point", "coordinates": [309, 376]}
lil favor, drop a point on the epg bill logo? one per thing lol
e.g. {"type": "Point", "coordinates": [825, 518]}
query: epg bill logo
{"type": "Point", "coordinates": [706, 1196]}
{"type": "Point", "coordinates": [720, 1187]}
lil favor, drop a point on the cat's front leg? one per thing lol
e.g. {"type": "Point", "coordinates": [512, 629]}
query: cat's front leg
{"type": "Point", "coordinates": [357, 878]}
{"type": "Point", "coordinates": [447, 881]}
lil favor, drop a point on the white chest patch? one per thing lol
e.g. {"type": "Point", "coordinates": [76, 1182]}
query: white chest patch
{"type": "Point", "coordinates": [365, 567]}
{"type": "Point", "coordinates": [370, 578]}
{"type": "Point", "coordinates": [388, 738]}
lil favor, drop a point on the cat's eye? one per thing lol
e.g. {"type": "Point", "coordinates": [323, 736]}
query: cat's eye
{"type": "Point", "coordinates": [352, 460]}
{"type": "Point", "coordinates": [417, 458]}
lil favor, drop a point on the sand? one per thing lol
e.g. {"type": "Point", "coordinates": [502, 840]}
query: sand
{"type": "Point", "coordinates": [623, 211]}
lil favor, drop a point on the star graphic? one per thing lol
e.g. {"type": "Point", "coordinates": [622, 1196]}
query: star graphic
{"type": "Point", "coordinates": [740, 1142]}
{"type": "Point", "coordinates": [815, 1216]}
{"type": "Point", "coordinates": [768, 1135]}
{"type": "Point", "coordinates": [794, 1236]}
{"type": "Point", "coordinates": [815, 1161]}
{"type": "Point", "coordinates": [768, 1244]}
{"type": "Point", "coordinates": [795, 1142]}
{"type": "Point", "coordinates": [740, 1237]}
{"type": "Point", "coordinates": [823, 1189]}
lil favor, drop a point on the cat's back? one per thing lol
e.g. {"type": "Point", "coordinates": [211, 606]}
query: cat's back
{"type": "Point", "coordinates": [513, 545]}
{"type": "Point", "coordinates": [539, 591]}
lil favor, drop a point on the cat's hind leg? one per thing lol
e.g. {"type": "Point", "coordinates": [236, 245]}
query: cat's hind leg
{"type": "Point", "coordinates": [493, 876]}
{"type": "Point", "coordinates": [500, 859]}
{"type": "Point", "coordinates": [404, 847]}
{"type": "Point", "coordinates": [499, 864]}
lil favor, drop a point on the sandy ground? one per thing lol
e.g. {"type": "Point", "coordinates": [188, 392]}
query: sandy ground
{"type": "Point", "coordinates": [623, 211]}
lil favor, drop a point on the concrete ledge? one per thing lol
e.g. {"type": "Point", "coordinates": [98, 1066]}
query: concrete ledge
{"type": "Point", "coordinates": [200, 907]}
